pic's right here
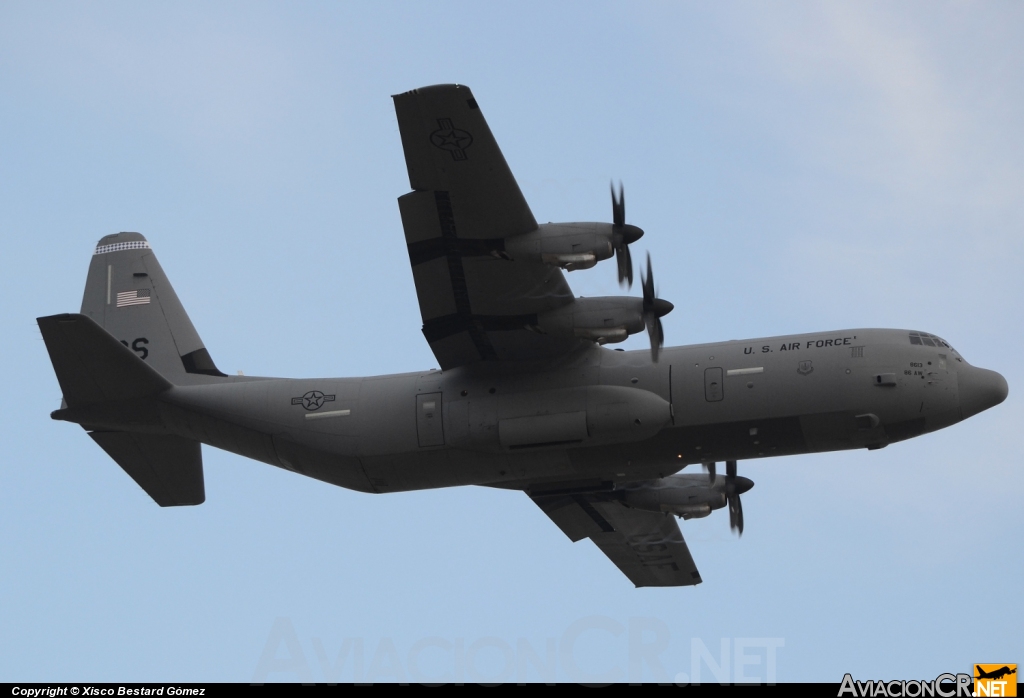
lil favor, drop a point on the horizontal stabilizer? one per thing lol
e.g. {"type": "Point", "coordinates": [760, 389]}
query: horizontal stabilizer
{"type": "Point", "coordinates": [92, 366]}
{"type": "Point", "coordinates": [169, 468]}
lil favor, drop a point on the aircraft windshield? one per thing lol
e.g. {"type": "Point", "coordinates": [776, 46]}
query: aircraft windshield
{"type": "Point", "coordinates": [930, 340]}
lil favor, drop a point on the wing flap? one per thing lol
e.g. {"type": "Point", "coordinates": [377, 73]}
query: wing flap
{"type": "Point", "coordinates": [433, 277]}
{"type": "Point", "coordinates": [477, 305]}
{"type": "Point", "coordinates": [574, 515]}
{"type": "Point", "coordinates": [647, 546]}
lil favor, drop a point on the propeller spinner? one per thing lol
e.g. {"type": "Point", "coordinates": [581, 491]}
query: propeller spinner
{"type": "Point", "coordinates": [623, 235]}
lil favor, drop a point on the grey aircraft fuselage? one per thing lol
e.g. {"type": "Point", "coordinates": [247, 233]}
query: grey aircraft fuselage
{"type": "Point", "coordinates": [605, 416]}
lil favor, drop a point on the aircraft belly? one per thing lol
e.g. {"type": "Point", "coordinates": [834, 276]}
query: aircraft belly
{"type": "Point", "coordinates": [323, 464]}
{"type": "Point", "coordinates": [672, 449]}
{"type": "Point", "coordinates": [453, 467]}
{"type": "Point", "coordinates": [220, 433]}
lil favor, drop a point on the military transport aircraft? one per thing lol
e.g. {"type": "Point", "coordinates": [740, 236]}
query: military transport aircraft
{"type": "Point", "coordinates": [527, 396]}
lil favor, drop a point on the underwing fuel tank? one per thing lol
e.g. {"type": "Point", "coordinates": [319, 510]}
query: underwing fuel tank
{"type": "Point", "coordinates": [588, 416]}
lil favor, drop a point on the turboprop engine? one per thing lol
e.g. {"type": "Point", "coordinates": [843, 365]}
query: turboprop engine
{"type": "Point", "coordinates": [570, 246]}
{"type": "Point", "coordinates": [610, 319]}
{"type": "Point", "coordinates": [604, 320]}
{"type": "Point", "coordinates": [573, 246]}
{"type": "Point", "coordinates": [690, 496]}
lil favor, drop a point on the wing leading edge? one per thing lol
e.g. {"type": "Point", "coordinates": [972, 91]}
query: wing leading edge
{"type": "Point", "coordinates": [647, 546]}
{"type": "Point", "coordinates": [476, 303]}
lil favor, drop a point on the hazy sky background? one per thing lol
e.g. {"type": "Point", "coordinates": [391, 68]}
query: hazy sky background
{"type": "Point", "coordinates": [796, 167]}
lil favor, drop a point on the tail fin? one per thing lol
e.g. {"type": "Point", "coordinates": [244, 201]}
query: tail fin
{"type": "Point", "coordinates": [132, 342]}
{"type": "Point", "coordinates": [128, 295]}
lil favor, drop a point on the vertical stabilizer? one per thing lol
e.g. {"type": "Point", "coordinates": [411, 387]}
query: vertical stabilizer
{"type": "Point", "coordinates": [128, 295]}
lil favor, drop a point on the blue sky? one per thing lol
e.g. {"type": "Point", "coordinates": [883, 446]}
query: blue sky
{"type": "Point", "coordinates": [796, 167]}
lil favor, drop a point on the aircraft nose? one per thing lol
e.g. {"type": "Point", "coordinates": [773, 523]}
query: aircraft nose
{"type": "Point", "coordinates": [980, 389]}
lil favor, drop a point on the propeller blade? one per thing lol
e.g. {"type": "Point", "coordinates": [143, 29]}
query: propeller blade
{"type": "Point", "coordinates": [648, 284]}
{"type": "Point", "coordinates": [710, 468]}
{"type": "Point", "coordinates": [625, 262]}
{"type": "Point", "coordinates": [736, 514]}
{"type": "Point", "coordinates": [618, 206]}
{"type": "Point", "coordinates": [653, 309]}
{"type": "Point", "coordinates": [654, 331]}
{"type": "Point", "coordinates": [733, 496]}
{"type": "Point", "coordinates": [623, 235]}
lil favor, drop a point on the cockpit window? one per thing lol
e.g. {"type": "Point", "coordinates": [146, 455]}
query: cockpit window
{"type": "Point", "coordinates": [930, 340]}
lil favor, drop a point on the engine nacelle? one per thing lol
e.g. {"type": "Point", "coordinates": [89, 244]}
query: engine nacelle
{"type": "Point", "coordinates": [688, 496]}
{"type": "Point", "coordinates": [603, 320]}
{"type": "Point", "coordinates": [570, 246]}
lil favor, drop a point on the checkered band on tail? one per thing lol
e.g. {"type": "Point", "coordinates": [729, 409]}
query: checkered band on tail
{"type": "Point", "coordinates": [118, 246]}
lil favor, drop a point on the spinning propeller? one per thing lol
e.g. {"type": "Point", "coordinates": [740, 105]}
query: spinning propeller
{"type": "Point", "coordinates": [734, 487]}
{"type": "Point", "coordinates": [732, 495]}
{"type": "Point", "coordinates": [653, 309]}
{"type": "Point", "coordinates": [622, 235]}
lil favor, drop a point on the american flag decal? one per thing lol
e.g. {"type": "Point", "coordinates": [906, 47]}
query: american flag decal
{"type": "Point", "coordinates": [139, 297]}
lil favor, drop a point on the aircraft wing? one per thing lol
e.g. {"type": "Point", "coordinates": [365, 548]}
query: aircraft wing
{"type": "Point", "coordinates": [476, 303]}
{"type": "Point", "coordinates": [647, 546]}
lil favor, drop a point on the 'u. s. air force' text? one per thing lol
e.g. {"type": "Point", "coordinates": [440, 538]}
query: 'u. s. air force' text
{"type": "Point", "coordinates": [809, 344]}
